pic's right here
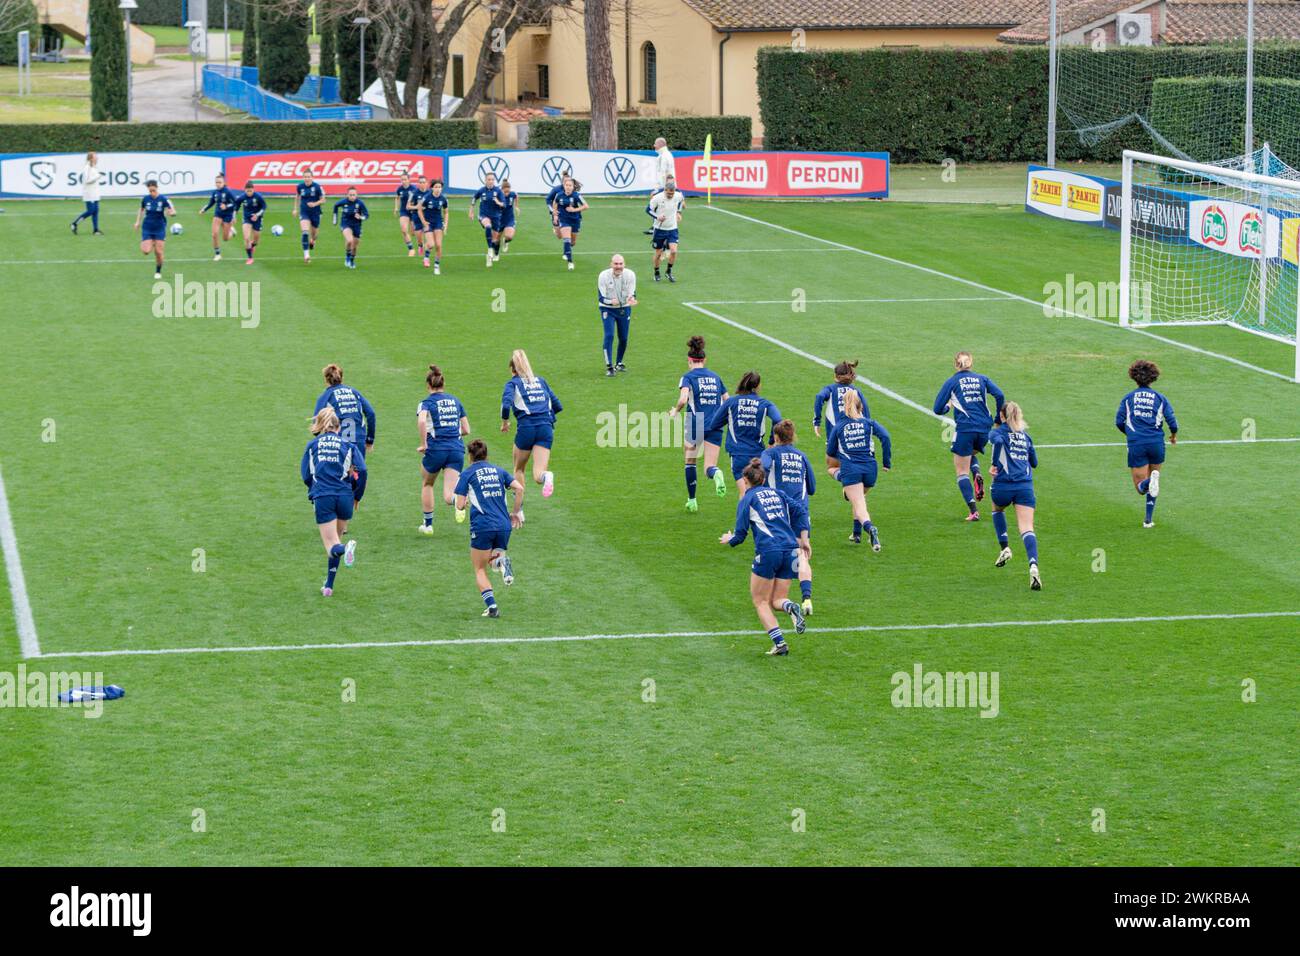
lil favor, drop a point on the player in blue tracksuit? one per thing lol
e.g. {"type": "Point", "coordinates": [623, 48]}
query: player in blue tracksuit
{"type": "Point", "coordinates": [702, 393]}
{"type": "Point", "coordinates": [328, 465]}
{"type": "Point", "coordinates": [569, 206]}
{"type": "Point", "coordinates": [481, 490]}
{"type": "Point", "coordinates": [309, 199]}
{"type": "Point", "coordinates": [747, 417]}
{"type": "Point", "coordinates": [1142, 417]}
{"type": "Point", "coordinates": [349, 214]}
{"type": "Point", "coordinates": [508, 213]}
{"type": "Point", "coordinates": [402, 203]}
{"type": "Point", "coordinates": [253, 207]}
{"type": "Point", "coordinates": [551, 209]}
{"type": "Point", "coordinates": [151, 220]}
{"type": "Point", "coordinates": [830, 399]}
{"type": "Point", "coordinates": [222, 203]}
{"type": "Point", "coordinates": [779, 524]}
{"type": "Point", "coordinates": [534, 406]}
{"type": "Point", "coordinates": [356, 415]}
{"type": "Point", "coordinates": [1012, 464]}
{"type": "Point", "coordinates": [443, 426]}
{"type": "Point", "coordinates": [966, 394]}
{"type": "Point", "coordinates": [432, 209]}
{"type": "Point", "coordinates": [490, 202]}
{"type": "Point", "coordinates": [789, 471]}
{"type": "Point", "coordinates": [851, 460]}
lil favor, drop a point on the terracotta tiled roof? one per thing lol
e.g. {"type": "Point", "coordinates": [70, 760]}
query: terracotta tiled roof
{"type": "Point", "coordinates": [864, 14]}
{"type": "Point", "coordinates": [1186, 21]}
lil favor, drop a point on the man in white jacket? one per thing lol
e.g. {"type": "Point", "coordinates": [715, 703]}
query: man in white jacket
{"type": "Point", "coordinates": [90, 193]}
{"type": "Point", "coordinates": [664, 171]}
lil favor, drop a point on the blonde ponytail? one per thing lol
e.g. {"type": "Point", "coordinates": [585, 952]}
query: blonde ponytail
{"type": "Point", "coordinates": [326, 420]}
{"type": "Point", "coordinates": [1014, 417]}
{"type": "Point", "coordinates": [519, 363]}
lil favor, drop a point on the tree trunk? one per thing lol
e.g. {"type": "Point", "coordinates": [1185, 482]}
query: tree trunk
{"type": "Point", "coordinates": [600, 76]}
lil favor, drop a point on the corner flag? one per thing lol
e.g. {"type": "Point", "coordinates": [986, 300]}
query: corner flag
{"type": "Point", "coordinates": [708, 165]}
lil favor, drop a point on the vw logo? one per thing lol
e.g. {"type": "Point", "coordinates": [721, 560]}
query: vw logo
{"type": "Point", "coordinates": [496, 165]}
{"type": "Point", "coordinates": [554, 168]}
{"type": "Point", "coordinates": [620, 172]}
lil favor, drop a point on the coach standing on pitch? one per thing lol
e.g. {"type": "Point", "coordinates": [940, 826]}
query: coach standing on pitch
{"type": "Point", "coordinates": [664, 171]}
{"type": "Point", "coordinates": [616, 289]}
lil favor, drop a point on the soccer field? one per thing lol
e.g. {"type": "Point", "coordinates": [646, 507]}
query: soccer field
{"type": "Point", "coordinates": [622, 710]}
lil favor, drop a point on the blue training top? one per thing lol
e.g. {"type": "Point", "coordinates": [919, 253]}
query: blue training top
{"type": "Point", "coordinates": [789, 471]}
{"type": "Point", "coordinates": [1013, 456]}
{"type": "Point", "coordinates": [853, 440]}
{"type": "Point", "coordinates": [1142, 414]}
{"type": "Point", "coordinates": [966, 394]}
{"type": "Point", "coordinates": [327, 465]}
{"type": "Point", "coordinates": [747, 419]}
{"type": "Point", "coordinates": [834, 394]}
{"type": "Point", "coordinates": [772, 515]}
{"type": "Point", "coordinates": [350, 406]}
{"type": "Point", "coordinates": [445, 412]}
{"type": "Point", "coordinates": [532, 402]}
{"type": "Point", "coordinates": [484, 486]}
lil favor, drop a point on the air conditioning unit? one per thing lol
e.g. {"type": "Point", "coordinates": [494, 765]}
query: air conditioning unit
{"type": "Point", "coordinates": [1133, 29]}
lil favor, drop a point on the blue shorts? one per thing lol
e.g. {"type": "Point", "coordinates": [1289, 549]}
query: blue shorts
{"type": "Point", "coordinates": [331, 507]}
{"type": "Point", "coordinates": [158, 233]}
{"type": "Point", "coordinates": [255, 223]}
{"type": "Point", "coordinates": [439, 457]}
{"type": "Point", "coordinates": [970, 443]}
{"type": "Point", "coordinates": [739, 461]}
{"type": "Point", "coordinates": [489, 540]}
{"type": "Point", "coordinates": [226, 217]}
{"type": "Point", "coordinates": [526, 436]}
{"type": "Point", "coordinates": [695, 432]}
{"type": "Point", "coordinates": [405, 214]}
{"type": "Point", "coordinates": [1018, 494]}
{"type": "Point", "coordinates": [855, 473]}
{"type": "Point", "coordinates": [354, 225]}
{"type": "Point", "coordinates": [573, 224]}
{"type": "Point", "coordinates": [312, 216]}
{"type": "Point", "coordinates": [1148, 453]}
{"type": "Point", "coordinates": [508, 222]}
{"type": "Point", "coordinates": [495, 220]}
{"type": "Point", "coordinates": [776, 564]}
{"type": "Point", "coordinates": [662, 237]}
{"type": "Point", "coordinates": [433, 225]}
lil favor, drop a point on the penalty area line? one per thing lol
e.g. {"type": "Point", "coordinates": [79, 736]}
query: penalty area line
{"type": "Point", "coordinates": [652, 635]}
{"type": "Point", "coordinates": [28, 643]}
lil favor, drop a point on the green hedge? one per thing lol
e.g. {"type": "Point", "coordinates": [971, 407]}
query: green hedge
{"type": "Point", "coordinates": [925, 105]}
{"type": "Point", "coordinates": [167, 13]}
{"type": "Point", "coordinates": [251, 136]}
{"type": "Point", "coordinates": [1206, 116]}
{"type": "Point", "coordinates": [23, 19]}
{"type": "Point", "coordinates": [108, 91]}
{"type": "Point", "coordinates": [682, 132]}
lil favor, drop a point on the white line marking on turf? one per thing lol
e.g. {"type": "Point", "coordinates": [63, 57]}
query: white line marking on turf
{"type": "Point", "coordinates": [27, 642]}
{"type": "Point", "coordinates": [968, 298]}
{"type": "Point", "coordinates": [648, 635]}
{"type": "Point", "coordinates": [1185, 441]}
{"type": "Point", "coordinates": [876, 386]}
{"type": "Point", "coordinates": [1009, 295]}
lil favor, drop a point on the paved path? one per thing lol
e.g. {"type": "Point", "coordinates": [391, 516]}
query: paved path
{"type": "Point", "coordinates": [166, 93]}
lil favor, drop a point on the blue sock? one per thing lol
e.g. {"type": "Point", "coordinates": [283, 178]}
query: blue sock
{"type": "Point", "coordinates": [568, 250]}
{"type": "Point", "coordinates": [806, 588]}
{"type": "Point", "coordinates": [1143, 485]}
{"type": "Point", "coordinates": [336, 555]}
{"type": "Point", "coordinates": [409, 246]}
{"type": "Point", "coordinates": [857, 527]}
{"type": "Point", "coordinates": [967, 491]}
{"type": "Point", "coordinates": [1031, 546]}
{"type": "Point", "coordinates": [776, 635]}
{"type": "Point", "coordinates": [489, 598]}
{"type": "Point", "coordinates": [711, 471]}
{"type": "Point", "coordinates": [428, 519]}
{"type": "Point", "coordinates": [1151, 508]}
{"type": "Point", "coordinates": [690, 481]}
{"type": "Point", "coordinates": [304, 242]}
{"type": "Point", "coordinates": [974, 465]}
{"type": "Point", "coordinates": [1000, 526]}
{"type": "Point", "coordinates": [487, 234]}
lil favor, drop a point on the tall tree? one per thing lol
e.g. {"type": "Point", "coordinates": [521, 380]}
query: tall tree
{"type": "Point", "coordinates": [286, 58]}
{"type": "Point", "coordinates": [252, 14]}
{"type": "Point", "coordinates": [348, 48]}
{"type": "Point", "coordinates": [16, 16]}
{"type": "Point", "coordinates": [108, 94]}
{"type": "Point", "coordinates": [600, 76]}
{"type": "Point", "coordinates": [328, 41]}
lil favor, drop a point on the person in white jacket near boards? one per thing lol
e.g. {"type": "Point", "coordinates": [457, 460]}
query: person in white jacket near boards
{"type": "Point", "coordinates": [664, 171]}
{"type": "Point", "coordinates": [90, 193]}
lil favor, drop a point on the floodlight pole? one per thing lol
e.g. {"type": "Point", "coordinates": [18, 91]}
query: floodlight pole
{"type": "Point", "coordinates": [225, 29]}
{"type": "Point", "coordinates": [1051, 84]}
{"type": "Point", "coordinates": [362, 22]}
{"type": "Point", "coordinates": [1250, 81]}
{"type": "Point", "coordinates": [192, 26]}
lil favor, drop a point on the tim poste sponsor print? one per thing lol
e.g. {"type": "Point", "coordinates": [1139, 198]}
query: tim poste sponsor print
{"type": "Point", "coordinates": [372, 171]}
{"type": "Point", "coordinates": [58, 175]}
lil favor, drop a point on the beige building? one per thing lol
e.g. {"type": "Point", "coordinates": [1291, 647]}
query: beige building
{"type": "Point", "coordinates": [698, 57]}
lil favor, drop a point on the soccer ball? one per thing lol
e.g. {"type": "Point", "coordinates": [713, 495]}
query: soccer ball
{"type": "Point", "coordinates": [277, 230]}
{"type": "Point", "coordinates": [177, 229]}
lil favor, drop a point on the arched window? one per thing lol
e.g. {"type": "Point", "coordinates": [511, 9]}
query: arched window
{"type": "Point", "coordinates": [649, 73]}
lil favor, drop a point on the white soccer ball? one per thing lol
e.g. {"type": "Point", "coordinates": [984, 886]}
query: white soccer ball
{"type": "Point", "coordinates": [177, 229]}
{"type": "Point", "coordinates": [277, 230]}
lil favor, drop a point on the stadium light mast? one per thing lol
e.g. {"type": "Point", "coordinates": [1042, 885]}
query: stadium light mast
{"type": "Point", "coordinates": [225, 30]}
{"type": "Point", "coordinates": [362, 22]}
{"type": "Point", "coordinates": [1250, 83]}
{"type": "Point", "coordinates": [126, 6]}
{"type": "Point", "coordinates": [1051, 84]}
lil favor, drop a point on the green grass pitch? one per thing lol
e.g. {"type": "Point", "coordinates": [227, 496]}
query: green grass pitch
{"type": "Point", "coordinates": [177, 434]}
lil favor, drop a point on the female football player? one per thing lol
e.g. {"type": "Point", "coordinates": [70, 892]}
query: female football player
{"type": "Point", "coordinates": [222, 202]}
{"type": "Point", "coordinates": [1141, 417]}
{"type": "Point", "coordinates": [746, 417]}
{"type": "Point", "coordinates": [702, 392]}
{"type": "Point", "coordinates": [569, 206]}
{"type": "Point", "coordinates": [402, 202]}
{"type": "Point", "coordinates": [788, 470]}
{"type": "Point", "coordinates": [851, 460]}
{"type": "Point", "coordinates": [846, 373]}
{"type": "Point", "coordinates": [151, 220]}
{"type": "Point", "coordinates": [482, 488]}
{"type": "Point", "coordinates": [966, 393]}
{"type": "Point", "coordinates": [535, 407]}
{"type": "Point", "coordinates": [253, 205]}
{"type": "Point", "coordinates": [328, 463]}
{"type": "Point", "coordinates": [774, 518]}
{"type": "Point", "coordinates": [508, 213]}
{"type": "Point", "coordinates": [356, 415]}
{"type": "Point", "coordinates": [443, 424]}
{"type": "Point", "coordinates": [1013, 463]}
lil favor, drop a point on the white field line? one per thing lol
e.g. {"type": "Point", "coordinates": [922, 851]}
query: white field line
{"type": "Point", "coordinates": [650, 635]}
{"type": "Point", "coordinates": [1009, 295]}
{"type": "Point", "coordinates": [968, 298]}
{"type": "Point", "coordinates": [27, 641]}
{"type": "Point", "coordinates": [875, 386]}
{"type": "Point", "coordinates": [1181, 442]}
{"type": "Point", "coordinates": [237, 253]}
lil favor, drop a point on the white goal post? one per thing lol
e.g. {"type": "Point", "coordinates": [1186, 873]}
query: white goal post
{"type": "Point", "coordinates": [1202, 244]}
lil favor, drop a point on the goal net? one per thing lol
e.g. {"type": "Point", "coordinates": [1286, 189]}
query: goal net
{"type": "Point", "coordinates": [1205, 244]}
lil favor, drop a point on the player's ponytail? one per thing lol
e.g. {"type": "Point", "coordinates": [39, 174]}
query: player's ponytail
{"type": "Point", "coordinates": [477, 450]}
{"type": "Point", "coordinates": [783, 431]}
{"type": "Point", "coordinates": [519, 365]}
{"type": "Point", "coordinates": [749, 383]}
{"type": "Point", "coordinates": [1014, 417]}
{"type": "Point", "coordinates": [853, 404]}
{"type": "Point", "coordinates": [333, 374]}
{"type": "Point", "coordinates": [326, 420]}
{"type": "Point", "coordinates": [434, 379]}
{"type": "Point", "coordinates": [963, 361]}
{"type": "Point", "coordinates": [695, 348]}
{"type": "Point", "coordinates": [755, 474]}
{"type": "Point", "coordinates": [846, 372]}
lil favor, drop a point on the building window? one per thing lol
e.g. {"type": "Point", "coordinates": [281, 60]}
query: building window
{"type": "Point", "coordinates": [457, 75]}
{"type": "Point", "coordinates": [649, 73]}
{"type": "Point", "coordinates": [543, 81]}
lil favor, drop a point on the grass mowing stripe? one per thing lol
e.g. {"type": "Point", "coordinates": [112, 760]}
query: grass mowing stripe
{"type": "Point", "coordinates": [647, 635]}
{"type": "Point", "coordinates": [27, 640]}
